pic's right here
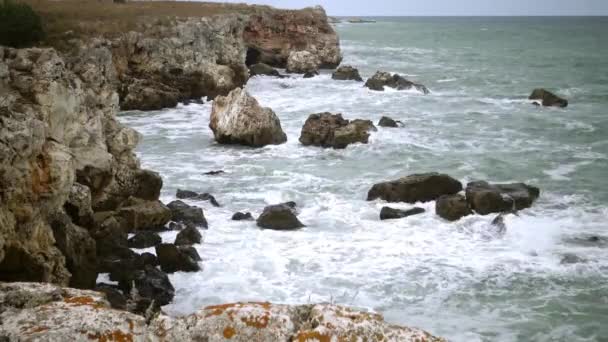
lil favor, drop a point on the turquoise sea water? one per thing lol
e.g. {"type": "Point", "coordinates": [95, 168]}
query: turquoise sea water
{"type": "Point", "coordinates": [458, 280]}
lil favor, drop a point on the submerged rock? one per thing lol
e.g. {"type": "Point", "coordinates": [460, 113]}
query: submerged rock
{"type": "Point", "coordinates": [388, 213]}
{"type": "Point", "coordinates": [239, 119]}
{"type": "Point", "coordinates": [385, 121]}
{"type": "Point", "coordinates": [424, 187]}
{"type": "Point", "coordinates": [384, 79]}
{"type": "Point", "coordinates": [263, 69]}
{"type": "Point", "coordinates": [548, 99]}
{"type": "Point", "coordinates": [570, 259]}
{"type": "Point", "coordinates": [174, 258]}
{"type": "Point", "coordinates": [214, 173]}
{"type": "Point", "coordinates": [188, 236]}
{"type": "Point", "coordinates": [184, 213]}
{"type": "Point", "coordinates": [347, 73]}
{"type": "Point", "coordinates": [242, 216]}
{"type": "Point", "coordinates": [303, 62]}
{"type": "Point", "coordinates": [145, 239]}
{"type": "Point", "coordinates": [452, 207]}
{"type": "Point", "coordinates": [486, 198]}
{"type": "Point", "coordinates": [331, 130]}
{"type": "Point", "coordinates": [310, 74]}
{"type": "Point", "coordinates": [279, 217]}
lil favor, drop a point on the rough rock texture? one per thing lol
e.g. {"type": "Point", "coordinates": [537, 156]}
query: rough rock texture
{"type": "Point", "coordinates": [331, 130]}
{"type": "Point", "coordinates": [486, 198]}
{"type": "Point", "coordinates": [263, 69]}
{"type": "Point", "coordinates": [452, 207]}
{"type": "Point", "coordinates": [388, 213]}
{"type": "Point", "coordinates": [347, 73]}
{"type": "Point", "coordinates": [184, 213]}
{"type": "Point", "coordinates": [424, 187]}
{"type": "Point", "coordinates": [279, 217]}
{"type": "Point", "coordinates": [242, 216]}
{"type": "Point", "coordinates": [272, 35]}
{"type": "Point", "coordinates": [302, 62]}
{"type": "Point", "coordinates": [385, 121]}
{"type": "Point", "coordinates": [188, 236]}
{"type": "Point", "coordinates": [384, 79]}
{"type": "Point", "coordinates": [548, 99]}
{"type": "Point", "coordinates": [174, 258]}
{"type": "Point", "coordinates": [61, 150]}
{"type": "Point", "coordinates": [46, 312]}
{"type": "Point", "coordinates": [145, 239]}
{"type": "Point", "coordinates": [239, 119]}
{"type": "Point", "coordinates": [138, 214]}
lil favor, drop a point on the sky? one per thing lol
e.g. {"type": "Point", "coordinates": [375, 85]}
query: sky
{"type": "Point", "coordinates": [444, 7]}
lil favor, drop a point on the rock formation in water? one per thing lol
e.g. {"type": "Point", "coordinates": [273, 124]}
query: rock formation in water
{"type": "Point", "coordinates": [272, 35]}
{"type": "Point", "coordinates": [347, 73]}
{"type": "Point", "coordinates": [384, 79]}
{"type": "Point", "coordinates": [303, 62]}
{"type": "Point", "coordinates": [333, 131]}
{"type": "Point", "coordinates": [548, 99]}
{"type": "Point", "coordinates": [239, 119]}
{"type": "Point", "coordinates": [33, 311]}
{"type": "Point", "coordinates": [424, 187]}
{"type": "Point", "coordinates": [486, 198]}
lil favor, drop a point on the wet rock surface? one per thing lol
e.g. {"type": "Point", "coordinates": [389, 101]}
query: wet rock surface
{"type": "Point", "coordinates": [174, 258]}
{"type": "Point", "coordinates": [333, 131]}
{"type": "Point", "coordinates": [384, 79]}
{"type": "Point", "coordinates": [187, 214]}
{"type": "Point", "coordinates": [188, 236]}
{"type": "Point", "coordinates": [347, 73]}
{"type": "Point", "coordinates": [548, 99]}
{"type": "Point", "coordinates": [452, 207]}
{"type": "Point", "coordinates": [145, 239]}
{"type": "Point", "coordinates": [388, 213]}
{"type": "Point", "coordinates": [486, 198]}
{"type": "Point", "coordinates": [385, 121]}
{"type": "Point", "coordinates": [424, 187]}
{"type": "Point", "coordinates": [279, 217]}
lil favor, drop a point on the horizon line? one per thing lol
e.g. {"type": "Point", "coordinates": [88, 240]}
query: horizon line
{"type": "Point", "coordinates": [471, 15]}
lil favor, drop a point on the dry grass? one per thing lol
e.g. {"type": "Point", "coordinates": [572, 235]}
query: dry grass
{"type": "Point", "coordinates": [88, 18]}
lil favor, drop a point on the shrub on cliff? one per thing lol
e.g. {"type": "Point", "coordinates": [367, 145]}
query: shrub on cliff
{"type": "Point", "coordinates": [19, 25]}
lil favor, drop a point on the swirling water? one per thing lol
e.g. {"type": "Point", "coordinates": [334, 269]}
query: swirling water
{"type": "Point", "coordinates": [458, 280]}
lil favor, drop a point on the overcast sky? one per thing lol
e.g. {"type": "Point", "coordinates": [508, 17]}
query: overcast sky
{"type": "Point", "coordinates": [446, 7]}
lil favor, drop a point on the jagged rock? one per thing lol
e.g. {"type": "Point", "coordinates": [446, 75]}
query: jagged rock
{"type": "Point", "coordinates": [110, 235]}
{"type": "Point", "coordinates": [148, 95]}
{"type": "Point", "coordinates": [174, 258]}
{"type": "Point", "coordinates": [153, 284]}
{"type": "Point", "coordinates": [331, 130]}
{"type": "Point", "coordinates": [424, 187]}
{"type": "Point", "coordinates": [78, 205]}
{"type": "Point", "coordinates": [452, 207]}
{"type": "Point", "coordinates": [548, 99]}
{"type": "Point", "coordinates": [486, 198]}
{"type": "Point", "coordinates": [116, 298]}
{"type": "Point", "coordinates": [384, 79]}
{"type": "Point", "coordinates": [311, 74]}
{"type": "Point", "coordinates": [144, 215]}
{"type": "Point", "coordinates": [385, 121]}
{"type": "Point", "coordinates": [148, 259]}
{"type": "Point", "coordinates": [187, 194]}
{"type": "Point", "coordinates": [347, 73]}
{"type": "Point", "coordinates": [35, 311]}
{"type": "Point", "coordinates": [302, 62]}
{"type": "Point", "coordinates": [271, 35]}
{"type": "Point", "coordinates": [188, 236]}
{"type": "Point", "coordinates": [279, 217]}
{"type": "Point", "coordinates": [145, 239]}
{"type": "Point", "coordinates": [242, 216]}
{"type": "Point", "coordinates": [239, 119]}
{"type": "Point", "coordinates": [388, 213]}
{"type": "Point", "coordinates": [184, 213]}
{"type": "Point", "coordinates": [263, 69]}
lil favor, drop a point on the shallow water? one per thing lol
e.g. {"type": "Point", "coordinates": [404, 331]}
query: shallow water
{"type": "Point", "coordinates": [459, 280]}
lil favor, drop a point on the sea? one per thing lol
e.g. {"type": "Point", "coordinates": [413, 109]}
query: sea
{"type": "Point", "coordinates": [545, 279]}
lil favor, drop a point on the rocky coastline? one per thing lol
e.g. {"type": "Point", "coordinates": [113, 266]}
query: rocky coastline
{"type": "Point", "coordinates": [73, 190]}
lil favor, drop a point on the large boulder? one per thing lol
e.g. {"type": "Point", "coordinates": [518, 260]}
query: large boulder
{"type": "Point", "coordinates": [331, 130]}
{"type": "Point", "coordinates": [384, 79]}
{"type": "Point", "coordinates": [424, 187]}
{"type": "Point", "coordinates": [385, 121]}
{"type": "Point", "coordinates": [140, 214]}
{"type": "Point", "coordinates": [184, 213]}
{"type": "Point", "coordinates": [548, 99]}
{"type": "Point", "coordinates": [145, 239]}
{"type": "Point", "coordinates": [279, 217]}
{"type": "Point", "coordinates": [188, 236]}
{"type": "Point", "coordinates": [347, 73]}
{"type": "Point", "coordinates": [302, 62]}
{"type": "Point", "coordinates": [486, 198]}
{"type": "Point", "coordinates": [239, 119]}
{"type": "Point", "coordinates": [174, 258]}
{"type": "Point", "coordinates": [388, 213]}
{"type": "Point", "coordinates": [452, 207]}
{"type": "Point", "coordinates": [264, 70]}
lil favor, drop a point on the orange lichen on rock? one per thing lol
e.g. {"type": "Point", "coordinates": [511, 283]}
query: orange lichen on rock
{"type": "Point", "coordinates": [217, 310]}
{"type": "Point", "coordinates": [312, 336]}
{"type": "Point", "coordinates": [259, 322]}
{"type": "Point", "coordinates": [84, 301]}
{"type": "Point", "coordinates": [111, 336]}
{"type": "Point", "coordinates": [229, 332]}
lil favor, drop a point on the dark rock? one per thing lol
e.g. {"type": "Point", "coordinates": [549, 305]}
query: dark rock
{"type": "Point", "coordinates": [185, 194]}
{"type": "Point", "coordinates": [385, 121]}
{"type": "Point", "coordinates": [486, 198]}
{"type": "Point", "coordinates": [388, 213]}
{"type": "Point", "coordinates": [499, 224]}
{"type": "Point", "coordinates": [279, 217]}
{"type": "Point", "coordinates": [175, 259]}
{"type": "Point", "coordinates": [140, 214]}
{"type": "Point", "coordinates": [424, 187]}
{"type": "Point", "coordinates": [177, 226]}
{"type": "Point", "coordinates": [79, 249]}
{"type": "Point", "coordinates": [109, 234]}
{"type": "Point", "coordinates": [569, 259]}
{"type": "Point", "coordinates": [548, 98]}
{"type": "Point", "coordinates": [116, 298]}
{"type": "Point", "coordinates": [181, 212]}
{"type": "Point", "coordinates": [347, 73]}
{"type": "Point", "coordinates": [148, 259]}
{"type": "Point", "coordinates": [310, 74]}
{"type": "Point", "coordinates": [385, 79]}
{"type": "Point", "coordinates": [145, 239]}
{"type": "Point", "coordinates": [329, 130]}
{"type": "Point", "coordinates": [214, 173]}
{"type": "Point", "coordinates": [242, 216]}
{"type": "Point", "coordinates": [191, 252]}
{"type": "Point", "coordinates": [188, 236]}
{"type": "Point", "coordinates": [452, 207]}
{"type": "Point", "coordinates": [208, 197]}
{"type": "Point", "coordinates": [149, 184]}
{"type": "Point", "coordinates": [263, 69]}
{"type": "Point", "coordinates": [154, 284]}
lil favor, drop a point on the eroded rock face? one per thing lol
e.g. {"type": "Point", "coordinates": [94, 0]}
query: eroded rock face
{"type": "Point", "coordinates": [332, 130]}
{"type": "Point", "coordinates": [303, 62]}
{"type": "Point", "coordinates": [384, 79]}
{"type": "Point", "coordinates": [41, 311]}
{"type": "Point", "coordinates": [424, 187]}
{"type": "Point", "coordinates": [239, 119]}
{"type": "Point", "coordinates": [452, 207]}
{"type": "Point", "coordinates": [271, 35]}
{"type": "Point", "coordinates": [548, 99]}
{"type": "Point", "coordinates": [263, 69]}
{"type": "Point", "coordinates": [486, 198]}
{"type": "Point", "coordinates": [347, 73]}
